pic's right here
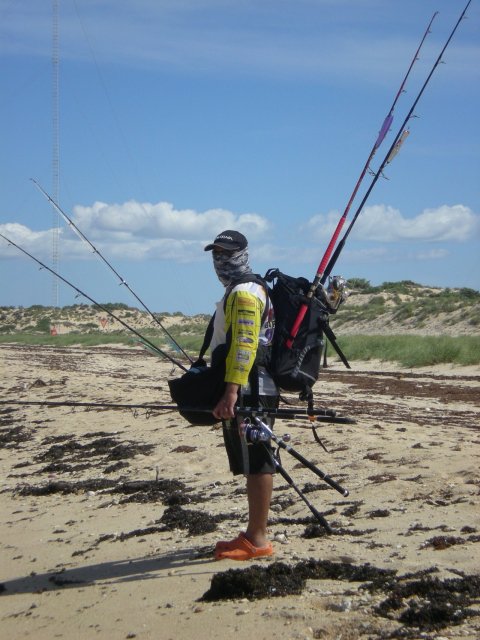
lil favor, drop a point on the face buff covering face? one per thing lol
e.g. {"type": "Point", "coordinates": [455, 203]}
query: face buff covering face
{"type": "Point", "coordinates": [230, 266]}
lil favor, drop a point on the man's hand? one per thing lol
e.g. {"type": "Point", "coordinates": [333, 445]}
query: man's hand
{"type": "Point", "coordinates": [225, 407]}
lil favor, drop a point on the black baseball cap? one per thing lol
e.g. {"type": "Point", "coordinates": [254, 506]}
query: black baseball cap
{"type": "Point", "coordinates": [229, 240]}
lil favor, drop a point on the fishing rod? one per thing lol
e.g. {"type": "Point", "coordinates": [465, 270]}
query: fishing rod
{"type": "Point", "coordinates": [152, 346]}
{"type": "Point", "coordinates": [319, 415]}
{"type": "Point", "coordinates": [384, 129]}
{"type": "Point", "coordinates": [84, 238]}
{"type": "Point", "coordinates": [254, 430]}
{"type": "Point", "coordinates": [328, 260]}
{"type": "Point", "coordinates": [259, 431]}
{"type": "Point", "coordinates": [397, 142]}
{"type": "Point", "coordinates": [286, 476]}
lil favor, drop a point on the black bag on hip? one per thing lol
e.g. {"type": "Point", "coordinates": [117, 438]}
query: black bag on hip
{"type": "Point", "coordinates": [198, 390]}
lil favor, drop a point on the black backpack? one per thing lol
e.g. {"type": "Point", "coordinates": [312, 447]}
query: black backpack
{"type": "Point", "coordinates": [297, 368]}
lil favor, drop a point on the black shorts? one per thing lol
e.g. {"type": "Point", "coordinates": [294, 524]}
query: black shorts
{"type": "Point", "coordinates": [244, 458]}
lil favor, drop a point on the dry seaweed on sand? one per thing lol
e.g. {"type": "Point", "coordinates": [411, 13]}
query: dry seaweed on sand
{"type": "Point", "coordinates": [110, 447]}
{"type": "Point", "coordinates": [196, 522]}
{"type": "Point", "coordinates": [11, 436]}
{"type": "Point", "coordinates": [429, 603]}
{"type": "Point", "coordinates": [315, 530]}
{"type": "Point", "coordinates": [168, 492]}
{"type": "Point", "coordinates": [280, 579]}
{"type": "Point", "coordinates": [419, 601]}
{"type": "Point", "coordinates": [64, 487]}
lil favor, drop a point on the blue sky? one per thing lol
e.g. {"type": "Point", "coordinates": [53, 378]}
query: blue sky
{"type": "Point", "coordinates": [181, 118]}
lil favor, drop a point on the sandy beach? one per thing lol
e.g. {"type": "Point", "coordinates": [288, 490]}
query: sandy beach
{"type": "Point", "coordinates": [109, 517]}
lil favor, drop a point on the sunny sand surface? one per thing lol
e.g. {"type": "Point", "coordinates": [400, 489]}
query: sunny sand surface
{"type": "Point", "coordinates": [109, 517]}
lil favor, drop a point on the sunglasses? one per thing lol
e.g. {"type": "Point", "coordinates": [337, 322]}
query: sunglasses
{"type": "Point", "coordinates": [219, 251]}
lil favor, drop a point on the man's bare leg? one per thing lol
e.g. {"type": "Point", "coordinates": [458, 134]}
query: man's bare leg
{"type": "Point", "coordinates": [259, 494]}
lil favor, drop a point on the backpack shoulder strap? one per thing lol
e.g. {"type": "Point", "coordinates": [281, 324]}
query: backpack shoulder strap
{"type": "Point", "coordinates": [250, 277]}
{"type": "Point", "coordinates": [207, 338]}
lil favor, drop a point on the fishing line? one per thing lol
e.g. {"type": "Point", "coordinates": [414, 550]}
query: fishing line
{"type": "Point", "coordinates": [107, 95]}
{"type": "Point", "coordinates": [137, 177]}
{"type": "Point", "coordinates": [318, 415]}
{"type": "Point", "coordinates": [84, 238]}
{"type": "Point", "coordinates": [110, 313]}
{"type": "Point", "coordinates": [384, 129]}
{"type": "Point", "coordinates": [324, 271]}
{"type": "Point", "coordinates": [399, 138]}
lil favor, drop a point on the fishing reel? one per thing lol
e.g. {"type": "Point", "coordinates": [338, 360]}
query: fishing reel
{"type": "Point", "coordinates": [336, 292]}
{"type": "Point", "coordinates": [259, 432]}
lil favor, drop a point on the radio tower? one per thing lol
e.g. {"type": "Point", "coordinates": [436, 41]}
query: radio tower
{"type": "Point", "coordinates": [55, 147]}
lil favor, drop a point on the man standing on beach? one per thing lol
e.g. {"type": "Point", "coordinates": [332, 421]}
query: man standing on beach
{"type": "Point", "coordinates": [243, 326]}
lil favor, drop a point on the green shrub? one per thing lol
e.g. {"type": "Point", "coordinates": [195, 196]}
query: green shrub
{"type": "Point", "coordinates": [360, 284]}
{"type": "Point", "coordinates": [43, 325]}
{"type": "Point", "coordinates": [406, 310]}
{"type": "Point", "coordinates": [111, 306]}
{"type": "Point", "coordinates": [413, 351]}
{"type": "Point", "coordinates": [470, 294]}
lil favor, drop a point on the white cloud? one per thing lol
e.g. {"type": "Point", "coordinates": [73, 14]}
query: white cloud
{"type": "Point", "coordinates": [31, 241]}
{"type": "Point", "coordinates": [21, 233]}
{"type": "Point", "coordinates": [321, 226]}
{"type": "Point", "coordinates": [137, 231]}
{"type": "Point", "coordinates": [39, 243]}
{"type": "Point", "coordinates": [382, 223]}
{"type": "Point", "coordinates": [144, 231]}
{"type": "Point", "coordinates": [456, 224]}
{"type": "Point", "coordinates": [159, 221]}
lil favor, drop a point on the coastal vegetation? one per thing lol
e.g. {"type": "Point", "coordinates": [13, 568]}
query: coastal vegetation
{"type": "Point", "coordinates": [403, 322]}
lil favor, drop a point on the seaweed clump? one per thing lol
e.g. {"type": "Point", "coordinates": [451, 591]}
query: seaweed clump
{"type": "Point", "coordinates": [169, 492]}
{"type": "Point", "coordinates": [417, 602]}
{"type": "Point", "coordinates": [65, 488]}
{"type": "Point", "coordinates": [256, 582]}
{"type": "Point", "coordinates": [111, 448]}
{"type": "Point", "coordinates": [429, 603]}
{"type": "Point", "coordinates": [279, 579]}
{"type": "Point", "coordinates": [13, 436]}
{"type": "Point", "coordinates": [195, 522]}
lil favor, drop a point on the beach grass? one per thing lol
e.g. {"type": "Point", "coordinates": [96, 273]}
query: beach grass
{"type": "Point", "coordinates": [406, 350]}
{"type": "Point", "coordinates": [67, 340]}
{"type": "Point", "coordinates": [413, 350]}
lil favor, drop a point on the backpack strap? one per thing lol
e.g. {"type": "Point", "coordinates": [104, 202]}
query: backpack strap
{"type": "Point", "coordinates": [250, 277]}
{"type": "Point", "coordinates": [327, 330]}
{"type": "Point", "coordinates": [207, 338]}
